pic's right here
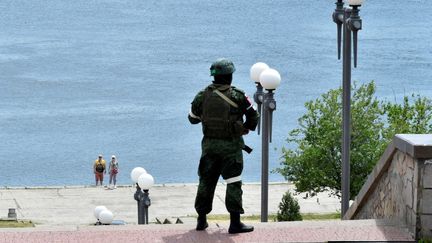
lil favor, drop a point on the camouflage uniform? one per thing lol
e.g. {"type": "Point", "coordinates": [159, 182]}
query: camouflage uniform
{"type": "Point", "coordinates": [222, 156]}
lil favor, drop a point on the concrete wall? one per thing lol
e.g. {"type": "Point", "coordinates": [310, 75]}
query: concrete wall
{"type": "Point", "coordinates": [399, 188]}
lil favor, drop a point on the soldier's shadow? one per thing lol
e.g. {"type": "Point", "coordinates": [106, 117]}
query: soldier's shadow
{"type": "Point", "coordinates": [218, 235]}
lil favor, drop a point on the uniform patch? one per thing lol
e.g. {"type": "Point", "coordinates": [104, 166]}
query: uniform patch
{"type": "Point", "coordinates": [249, 103]}
{"type": "Point", "coordinates": [249, 100]}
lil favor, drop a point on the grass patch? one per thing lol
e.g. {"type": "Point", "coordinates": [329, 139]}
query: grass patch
{"type": "Point", "coordinates": [16, 223]}
{"type": "Point", "coordinates": [272, 217]}
{"type": "Point", "coordinates": [318, 216]}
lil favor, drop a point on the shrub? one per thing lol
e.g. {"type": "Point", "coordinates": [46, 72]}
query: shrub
{"type": "Point", "coordinates": [289, 209]}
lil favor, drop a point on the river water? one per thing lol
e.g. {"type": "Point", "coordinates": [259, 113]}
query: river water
{"type": "Point", "coordinates": [79, 78]}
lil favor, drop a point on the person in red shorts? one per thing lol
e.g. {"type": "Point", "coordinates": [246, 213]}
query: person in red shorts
{"type": "Point", "coordinates": [99, 169]}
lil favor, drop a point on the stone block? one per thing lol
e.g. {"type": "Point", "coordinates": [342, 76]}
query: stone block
{"type": "Point", "coordinates": [409, 174]}
{"type": "Point", "coordinates": [384, 180]}
{"type": "Point", "coordinates": [407, 194]}
{"type": "Point", "coordinates": [416, 171]}
{"type": "Point", "coordinates": [394, 166]}
{"type": "Point", "coordinates": [382, 195]}
{"type": "Point", "coordinates": [416, 185]}
{"type": "Point", "coordinates": [416, 145]}
{"type": "Point", "coordinates": [410, 219]}
{"type": "Point", "coordinates": [427, 175]}
{"type": "Point", "coordinates": [425, 226]}
{"type": "Point", "coordinates": [409, 162]}
{"type": "Point", "coordinates": [400, 157]}
{"type": "Point", "coordinates": [388, 209]}
{"type": "Point", "coordinates": [426, 202]}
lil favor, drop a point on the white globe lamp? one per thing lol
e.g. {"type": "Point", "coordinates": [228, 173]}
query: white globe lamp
{"type": "Point", "coordinates": [355, 2]}
{"type": "Point", "coordinates": [145, 181]}
{"type": "Point", "coordinates": [98, 210]}
{"type": "Point", "coordinates": [106, 217]}
{"type": "Point", "coordinates": [256, 70]}
{"type": "Point", "coordinates": [270, 79]}
{"type": "Point", "coordinates": [136, 172]}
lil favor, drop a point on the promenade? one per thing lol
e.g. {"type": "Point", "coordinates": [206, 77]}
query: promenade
{"type": "Point", "coordinates": [65, 214]}
{"type": "Point", "coordinates": [74, 205]}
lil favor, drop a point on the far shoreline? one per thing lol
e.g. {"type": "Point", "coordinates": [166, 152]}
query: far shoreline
{"type": "Point", "coordinates": [126, 185]}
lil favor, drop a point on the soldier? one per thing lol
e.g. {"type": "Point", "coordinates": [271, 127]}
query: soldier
{"type": "Point", "coordinates": [220, 108]}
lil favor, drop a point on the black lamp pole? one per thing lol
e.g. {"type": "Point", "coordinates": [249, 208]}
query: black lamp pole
{"type": "Point", "coordinates": [146, 204]}
{"type": "Point", "coordinates": [347, 20]}
{"type": "Point", "coordinates": [138, 197]}
{"type": "Point", "coordinates": [268, 106]}
{"type": "Point", "coordinates": [268, 79]}
{"type": "Point", "coordinates": [143, 203]}
{"type": "Point", "coordinates": [259, 99]}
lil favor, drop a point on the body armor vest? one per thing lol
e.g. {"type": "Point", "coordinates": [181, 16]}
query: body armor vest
{"type": "Point", "coordinates": [219, 118]}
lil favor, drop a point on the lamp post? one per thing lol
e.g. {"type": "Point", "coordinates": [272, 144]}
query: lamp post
{"type": "Point", "coordinates": [135, 173]}
{"type": "Point", "coordinates": [143, 181]}
{"type": "Point", "coordinates": [347, 20]}
{"type": "Point", "coordinates": [255, 73]}
{"type": "Point", "coordinates": [269, 79]}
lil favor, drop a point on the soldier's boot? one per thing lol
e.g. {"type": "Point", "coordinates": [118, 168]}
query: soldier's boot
{"type": "Point", "coordinates": [238, 227]}
{"type": "Point", "coordinates": [201, 222]}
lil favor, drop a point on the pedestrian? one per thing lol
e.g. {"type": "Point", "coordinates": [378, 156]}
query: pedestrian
{"type": "Point", "coordinates": [113, 170]}
{"type": "Point", "coordinates": [220, 108]}
{"type": "Point", "coordinates": [99, 169]}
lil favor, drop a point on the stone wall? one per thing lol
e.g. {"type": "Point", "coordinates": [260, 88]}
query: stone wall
{"type": "Point", "coordinates": [425, 199]}
{"type": "Point", "coordinates": [400, 187]}
{"type": "Point", "coordinates": [393, 196]}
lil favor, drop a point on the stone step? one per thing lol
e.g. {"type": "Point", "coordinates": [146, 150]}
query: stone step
{"type": "Point", "coordinates": [300, 231]}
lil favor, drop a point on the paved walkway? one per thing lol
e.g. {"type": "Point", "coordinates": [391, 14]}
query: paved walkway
{"type": "Point", "coordinates": [75, 205]}
{"type": "Point", "coordinates": [315, 231]}
{"type": "Point", "coordinates": [65, 214]}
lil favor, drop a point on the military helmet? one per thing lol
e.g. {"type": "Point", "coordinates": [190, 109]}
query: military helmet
{"type": "Point", "coordinates": [222, 66]}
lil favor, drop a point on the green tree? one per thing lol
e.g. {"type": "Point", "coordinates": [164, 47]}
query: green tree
{"type": "Point", "coordinates": [315, 164]}
{"type": "Point", "coordinates": [289, 209]}
{"type": "Point", "coordinates": [409, 117]}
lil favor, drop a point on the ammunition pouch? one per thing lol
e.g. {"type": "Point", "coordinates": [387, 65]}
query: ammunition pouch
{"type": "Point", "coordinates": [220, 119]}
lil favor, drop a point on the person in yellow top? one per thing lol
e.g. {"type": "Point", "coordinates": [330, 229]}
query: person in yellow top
{"type": "Point", "coordinates": [99, 169]}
